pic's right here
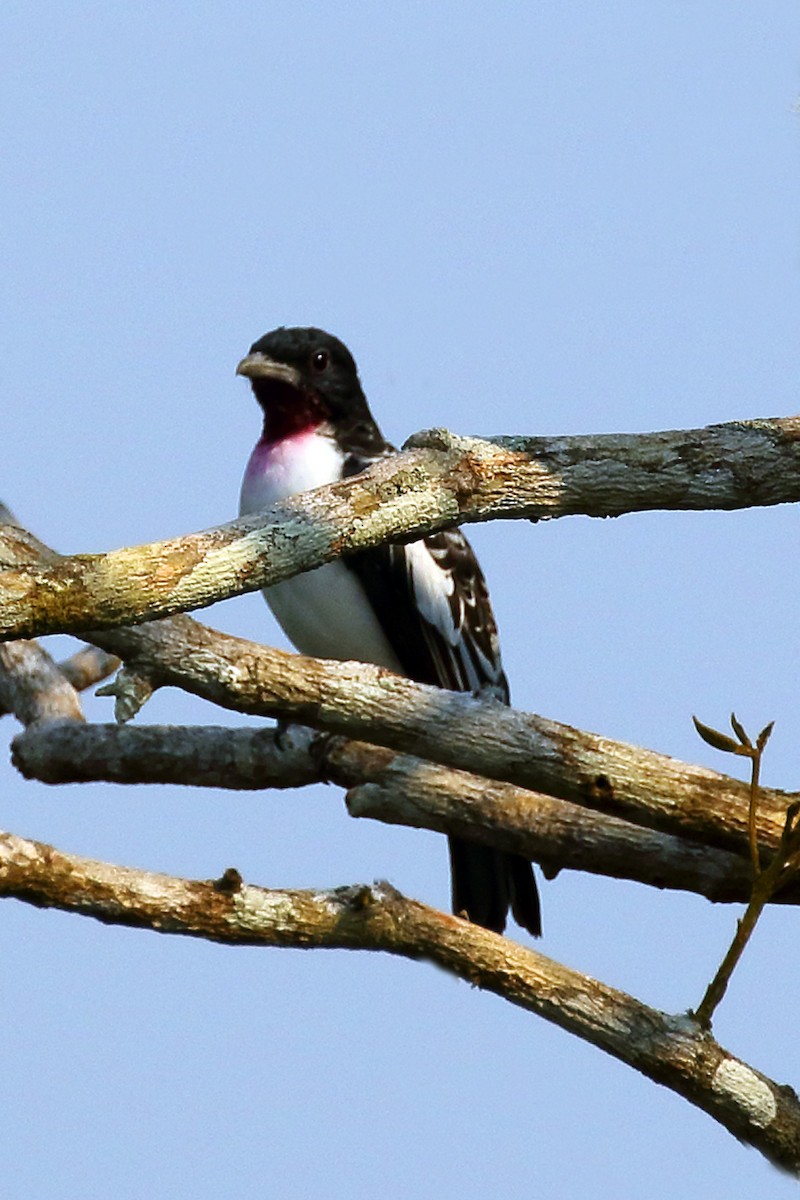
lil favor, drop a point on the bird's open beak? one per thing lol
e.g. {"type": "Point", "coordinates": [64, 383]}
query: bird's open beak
{"type": "Point", "coordinates": [258, 366]}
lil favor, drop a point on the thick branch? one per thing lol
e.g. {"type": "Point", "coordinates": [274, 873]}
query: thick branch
{"type": "Point", "coordinates": [388, 787]}
{"type": "Point", "coordinates": [554, 833]}
{"type": "Point", "coordinates": [454, 480]}
{"type": "Point", "coordinates": [483, 737]}
{"type": "Point", "coordinates": [670, 1050]}
{"type": "Point", "coordinates": [193, 756]}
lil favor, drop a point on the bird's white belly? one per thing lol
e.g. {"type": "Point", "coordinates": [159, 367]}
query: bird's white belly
{"type": "Point", "coordinates": [325, 612]}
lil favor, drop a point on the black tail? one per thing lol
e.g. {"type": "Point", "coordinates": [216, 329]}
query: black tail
{"type": "Point", "coordinates": [487, 882]}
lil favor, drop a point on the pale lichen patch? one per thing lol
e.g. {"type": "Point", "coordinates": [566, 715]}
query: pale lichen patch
{"type": "Point", "coordinates": [746, 1090]}
{"type": "Point", "coordinates": [255, 908]}
{"type": "Point", "coordinates": [17, 585]}
{"type": "Point", "coordinates": [260, 910]}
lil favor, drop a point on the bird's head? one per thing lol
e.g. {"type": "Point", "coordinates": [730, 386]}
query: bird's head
{"type": "Point", "coordinates": [304, 378]}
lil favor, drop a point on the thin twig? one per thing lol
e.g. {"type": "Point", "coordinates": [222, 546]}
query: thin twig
{"type": "Point", "coordinates": [763, 887]}
{"type": "Point", "coordinates": [752, 825]}
{"type": "Point", "coordinates": [764, 882]}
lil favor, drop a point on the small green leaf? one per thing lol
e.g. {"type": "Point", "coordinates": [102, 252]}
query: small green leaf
{"type": "Point", "coordinates": [720, 741]}
{"type": "Point", "coordinates": [763, 737]}
{"type": "Point", "coordinates": [739, 730]}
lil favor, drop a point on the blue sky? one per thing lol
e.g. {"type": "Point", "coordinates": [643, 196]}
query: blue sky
{"type": "Point", "coordinates": [525, 218]}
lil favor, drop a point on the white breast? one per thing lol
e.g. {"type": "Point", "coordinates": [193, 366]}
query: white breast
{"type": "Point", "coordinates": [324, 612]}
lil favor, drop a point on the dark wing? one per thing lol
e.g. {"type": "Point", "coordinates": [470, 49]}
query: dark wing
{"type": "Point", "coordinates": [431, 599]}
{"type": "Point", "coordinates": [433, 604]}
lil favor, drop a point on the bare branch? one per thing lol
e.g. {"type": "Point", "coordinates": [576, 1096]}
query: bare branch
{"type": "Point", "coordinates": [194, 756]}
{"type": "Point", "coordinates": [554, 833]}
{"type": "Point", "coordinates": [483, 737]}
{"type": "Point", "coordinates": [387, 787]}
{"type": "Point", "coordinates": [459, 731]}
{"type": "Point", "coordinates": [670, 1050]}
{"type": "Point", "coordinates": [82, 670]}
{"type": "Point", "coordinates": [33, 688]}
{"type": "Point", "coordinates": [88, 666]}
{"type": "Point", "coordinates": [737, 465]}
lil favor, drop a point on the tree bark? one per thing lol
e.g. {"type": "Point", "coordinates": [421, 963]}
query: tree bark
{"type": "Point", "coordinates": [433, 751]}
{"type": "Point", "coordinates": [452, 480]}
{"type": "Point", "coordinates": [671, 1050]}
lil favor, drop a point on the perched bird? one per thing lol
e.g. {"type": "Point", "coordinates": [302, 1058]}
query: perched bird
{"type": "Point", "coordinates": [421, 609]}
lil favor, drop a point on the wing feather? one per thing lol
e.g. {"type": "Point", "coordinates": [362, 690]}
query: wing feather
{"type": "Point", "coordinates": [441, 578]}
{"type": "Point", "coordinates": [432, 602]}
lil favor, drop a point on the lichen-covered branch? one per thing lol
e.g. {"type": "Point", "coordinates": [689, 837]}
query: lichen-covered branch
{"type": "Point", "coordinates": [452, 729]}
{"type": "Point", "coordinates": [457, 731]}
{"type": "Point", "coordinates": [449, 481]}
{"type": "Point", "coordinates": [389, 787]}
{"type": "Point", "coordinates": [671, 1050]}
{"type": "Point", "coordinates": [556, 834]}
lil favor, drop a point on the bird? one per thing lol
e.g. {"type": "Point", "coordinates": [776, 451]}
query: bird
{"type": "Point", "coordinates": [418, 608]}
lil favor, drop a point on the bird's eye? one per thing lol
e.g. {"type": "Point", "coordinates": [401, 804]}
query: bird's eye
{"type": "Point", "coordinates": [320, 360]}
